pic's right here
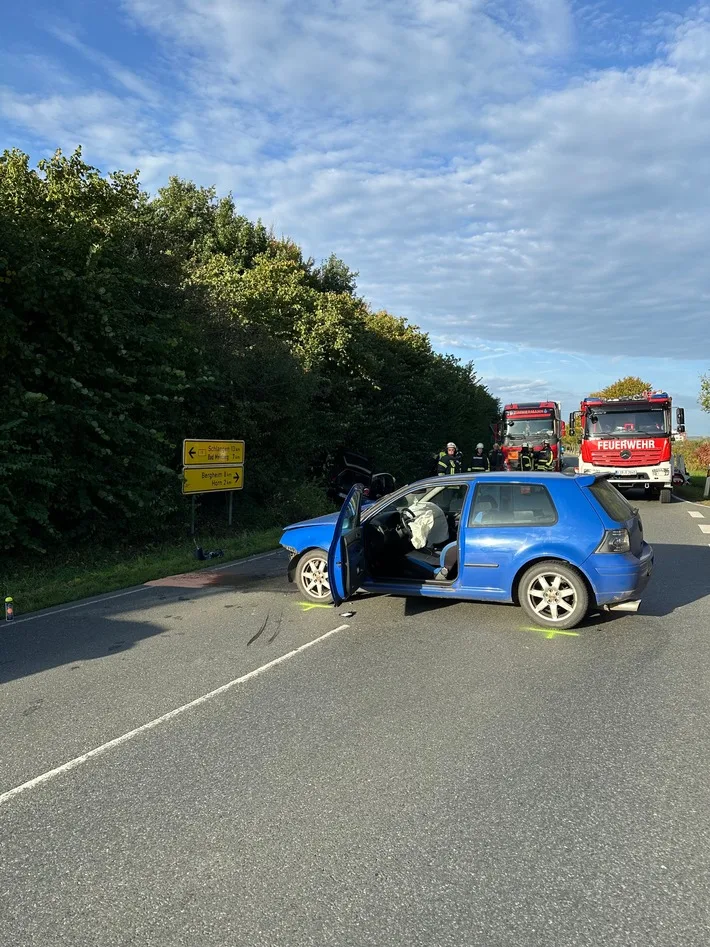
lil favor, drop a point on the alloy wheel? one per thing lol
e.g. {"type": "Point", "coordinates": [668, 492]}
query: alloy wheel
{"type": "Point", "coordinates": [552, 597]}
{"type": "Point", "coordinates": [314, 576]}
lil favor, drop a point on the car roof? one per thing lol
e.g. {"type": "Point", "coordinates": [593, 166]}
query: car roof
{"type": "Point", "coordinates": [506, 476]}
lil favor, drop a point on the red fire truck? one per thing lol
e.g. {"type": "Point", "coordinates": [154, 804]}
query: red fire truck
{"type": "Point", "coordinates": [526, 426]}
{"type": "Point", "coordinates": [630, 439]}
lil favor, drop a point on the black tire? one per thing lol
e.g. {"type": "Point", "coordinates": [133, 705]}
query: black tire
{"type": "Point", "coordinates": [666, 494]}
{"type": "Point", "coordinates": [312, 577]}
{"type": "Point", "coordinates": [553, 595]}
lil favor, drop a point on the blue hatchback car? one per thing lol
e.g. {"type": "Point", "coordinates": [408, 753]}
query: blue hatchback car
{"type": "Point", "coordinates": [555, 544]}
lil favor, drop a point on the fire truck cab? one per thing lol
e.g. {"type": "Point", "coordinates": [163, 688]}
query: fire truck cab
{"type": "Point", "coordinates": [525, 427]}
{"type": "Point", "coordinates": [630, 440]}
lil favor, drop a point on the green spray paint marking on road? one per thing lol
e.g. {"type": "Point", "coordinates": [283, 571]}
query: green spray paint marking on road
{"type": "Point", "coordinates": [307, 606]}
{"type": "Point", "coordinates": [551, 632]}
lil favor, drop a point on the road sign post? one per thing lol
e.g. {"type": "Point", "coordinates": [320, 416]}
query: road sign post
{"type": "Point", "coordinates": [212, 466]}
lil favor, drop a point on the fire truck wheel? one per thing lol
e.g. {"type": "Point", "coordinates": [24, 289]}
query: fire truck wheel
{"type": "Point", "coordinates": [666, 495]}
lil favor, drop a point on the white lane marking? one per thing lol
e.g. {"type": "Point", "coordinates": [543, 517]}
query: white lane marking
{"type": "Point", "coordinates": [105, 747]}
{"type": "Point", "coordinates": [70, 608]}
{"type": "Point", "coordinates": [142, 588]}
{"type": "Point", "coordinates": [696, 514]}
{"type": "Point", "coordinates": [236, 562]}
{"type": "Point", "coordinates": [704, 527]}
{"type": "Point", "coordinates": [691, 502]}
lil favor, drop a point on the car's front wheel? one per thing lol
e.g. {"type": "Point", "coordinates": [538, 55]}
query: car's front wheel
{"type": "Point", "coordinates": [312, 577]}
{"type": "Point", "coordinates": [553, 595]}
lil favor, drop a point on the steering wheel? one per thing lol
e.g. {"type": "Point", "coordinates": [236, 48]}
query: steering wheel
{"type": "Point", "coordinates": [407, 518]}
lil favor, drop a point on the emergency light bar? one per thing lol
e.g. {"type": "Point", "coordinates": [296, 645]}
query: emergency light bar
{"type": "Point", "coordinates": [528, 405]}
{"type": "Point", "coordinates": [646, 396]}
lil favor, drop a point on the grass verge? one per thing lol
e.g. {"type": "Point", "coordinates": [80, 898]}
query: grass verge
{"type": "Point", "coordinates": [694, 490]}
{"type": "Point", "coordinates": [86, 572]}
{"type": "Point", "coordinates": [75, 572]}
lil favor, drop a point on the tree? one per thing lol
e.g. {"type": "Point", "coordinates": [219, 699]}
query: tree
{"type": "Point", "coordinates": [334, 276]}
{"type": "Point", "coordinates": [128, 323]}
{"type": "Point", "coordinates": [704, 396]}
{"type": "Point", "coordinates": [623, 388]}
{"type": "Point", "coordinates": [91, 320]}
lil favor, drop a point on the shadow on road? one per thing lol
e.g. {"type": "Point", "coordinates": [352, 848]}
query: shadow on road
{"type": "Point", "coordinates": [422, 606]}
{"type": "Point", "coordinates": [680, 577]}
{"type": "Point", "coordinates": [105, 628]}
{"type": "Point", "coordinates": [29, 650]}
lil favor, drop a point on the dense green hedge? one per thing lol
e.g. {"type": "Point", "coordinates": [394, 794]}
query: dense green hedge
{"type": "Point", "coordinates": [129, 323]}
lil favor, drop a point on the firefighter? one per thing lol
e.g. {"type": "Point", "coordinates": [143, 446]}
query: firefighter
{"type": "Point", "coordinates": [449, 461]}
{"type": "Point", "coordinates": [496, 459]}
{"type": "Point", "coordinates": [480, 460]}
{"type": "Point", "coordinates": [527, 459]}
{"type": "Point", "coordinates": [545, 459]}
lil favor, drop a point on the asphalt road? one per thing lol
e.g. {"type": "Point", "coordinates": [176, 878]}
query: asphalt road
{"type": "Point", "coordinates": [428, 775]}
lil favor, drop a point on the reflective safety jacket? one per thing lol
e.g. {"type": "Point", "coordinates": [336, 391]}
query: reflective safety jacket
{"type": "Point", "coordinates": [448, 465]}
{"type": "Point", "coordinates": [527, 459]}
{"type": "Point", "coordinates": [544, 459]}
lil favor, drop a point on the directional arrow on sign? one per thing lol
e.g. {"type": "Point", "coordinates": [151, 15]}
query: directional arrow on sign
{"type": "Point", "coordinates": [201, 452]}
{"type": "Point", "coordinates": [212, 479]}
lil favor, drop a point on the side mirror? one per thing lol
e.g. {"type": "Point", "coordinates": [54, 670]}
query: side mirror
{"type": "Point", "coordinates": [681, 429]}
{"type": "Point", "coordinates": [680, 418]}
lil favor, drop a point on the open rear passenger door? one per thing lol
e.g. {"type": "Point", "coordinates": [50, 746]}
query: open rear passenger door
{"type": "Point", "coordinates": [346, 556]}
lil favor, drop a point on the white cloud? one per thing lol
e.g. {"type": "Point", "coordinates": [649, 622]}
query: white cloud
{"type": "Point", "coordinates": [447, 149]}
{"type": "Point", "coordinates": [106, 123]}
{"type": "Point", "coordinates": [523, 389]}
{"type": "Point", "coordinates": [356, 57]}
{"type": "Point", "coordinates": [124, 77]}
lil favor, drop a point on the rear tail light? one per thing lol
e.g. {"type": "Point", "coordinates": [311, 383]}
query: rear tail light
{"type": "Point", "coordinates": [615, 540]}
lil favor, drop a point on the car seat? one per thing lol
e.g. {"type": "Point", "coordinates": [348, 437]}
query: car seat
{"type": "Point", "coordinates": [485, 505]}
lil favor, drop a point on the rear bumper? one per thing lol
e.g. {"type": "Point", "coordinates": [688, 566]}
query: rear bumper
{"type": "Point", "coordinates": [620, 578]}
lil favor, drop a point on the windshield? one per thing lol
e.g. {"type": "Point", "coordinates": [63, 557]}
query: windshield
{"type": "Point", "coordinates": [529, 428]}
{"type": "Point", "coordinates": [444, 495]}
{"type": "Point", "coordinates": [627, 423]}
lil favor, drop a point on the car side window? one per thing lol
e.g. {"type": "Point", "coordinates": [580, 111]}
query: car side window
{"type": "Point", "coordinates": [512, 504]}
{"type": "Point", "coordinates": [352, 511]}
{"type": "Point", "coordinates": [449, 499]}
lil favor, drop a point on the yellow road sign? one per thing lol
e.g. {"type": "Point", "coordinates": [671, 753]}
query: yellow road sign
{"type": "Point", "coordinates": [202, 452]}
{"type": "Point", "coordinates": [212, 479]}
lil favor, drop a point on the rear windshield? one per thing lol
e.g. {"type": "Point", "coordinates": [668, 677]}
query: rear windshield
{"type": "Point", "coordinates": [611, 500]}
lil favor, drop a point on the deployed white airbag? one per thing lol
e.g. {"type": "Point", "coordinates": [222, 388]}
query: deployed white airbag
{"type": "Point", "coordinates": [429, 525]}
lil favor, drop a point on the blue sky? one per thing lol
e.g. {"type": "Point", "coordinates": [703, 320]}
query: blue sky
{"type": "Point", "coordinates": [528, 180]}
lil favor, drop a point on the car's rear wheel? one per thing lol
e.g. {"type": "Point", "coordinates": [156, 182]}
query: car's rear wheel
{"type": "Point", "coordinates": [312, 577]}
{"type": "Point", "coordinates": [553, 595]}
